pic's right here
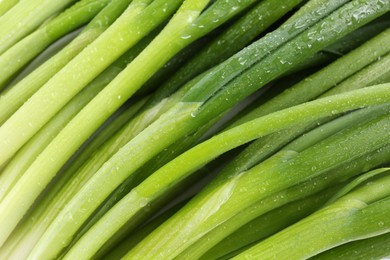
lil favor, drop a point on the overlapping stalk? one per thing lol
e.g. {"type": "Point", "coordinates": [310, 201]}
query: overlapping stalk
{"type": "Point", "coordinates": [16, 96]}
{"type": "Point", "coordinates": [362, 213]}
{"type": "Point", "coordinates": [21, 53]}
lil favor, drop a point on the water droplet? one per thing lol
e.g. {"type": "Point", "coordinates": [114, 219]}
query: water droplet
{"type": "Point", "coordinates": [242, 60]}
{"type": "Point", "coordinates": [143, 203]}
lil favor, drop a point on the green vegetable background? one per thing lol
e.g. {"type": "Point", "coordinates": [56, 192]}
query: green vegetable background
{"type": "Point", "coordinates": [194, 129]}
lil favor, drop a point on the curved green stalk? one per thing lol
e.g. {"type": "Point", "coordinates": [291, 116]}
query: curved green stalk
{"type": "Point", "coordinates": [263, 148]}
{"type": "Point", "coordinates": [261, 187]}
{"type": "Point", "coordinates": [21, 242]}
{"type": "Point", "coordinates": [137, 177]}
{"type": "Point", "coordinates": [268, 224]}
{"type": "Point", "coordinates": [209, 55]}
{"type": "Point", "coordinates": [232, 40]}
{"type": "Point", "coordinates": [329, 179]}
{"type": "Point", "coordinates": [23, 159]}
{"type": "Point", "coordinates": [237, 66]}
{"type": "Point", "coordinates": [134, 238]}
{"type": "Point", "coordinates": [199, 241]}
{"type": "Point", "coordinates": [281, 61]}
{"type": "Point", "coordinates": [15, 97]}
{"type": "Point", "coordinates": [25, 156]}
{"type": "Point", "coordinates": [24, 17]}
{"type": "Point", "coordinates": [370, 248]}
{"type": "Point", "coordinates": [313, 86]}
{"type": "Point", "coordinates": [326, 78]}
{"type": "Point", "coordinates": [376, 73]}
{"type": "Point", "coordinates": [362, 213]}
{"type": "Point", "coordinates": [25, 50]}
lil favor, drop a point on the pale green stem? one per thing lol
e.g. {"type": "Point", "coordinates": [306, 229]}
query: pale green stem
{"type": "Point", "coordinates": [22, 52]}
{"type": "Point", "coordinates": [21, 242]}
{"type": "Point", "coordinates": [326, 78]}
{"type": "Point", "coordinates": [362, 213]}
{"type": "Point", "coordinates": [25, 156]}
{"type": "Point", "coordinates": [5, 5]}
{"type": "Point", "coordinates": [376, 73]}
{"type": "Point", "coordinates": [370, 248]}
{"type": "Point", "coordinates": [24, 17]}
{"type": "Point", "coordinates": [14, 97]}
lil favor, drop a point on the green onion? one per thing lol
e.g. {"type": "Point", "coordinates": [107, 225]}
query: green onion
{"type": "Point", "coordinates": [19, 54]}
{"type": "Point", "coordinates": [271, 115]}
{"type": "Point", "coordinates": [18, 94]}
{"type": "Point", "coordinates": [362, 213]}
{"type": "Point", "coordinates": [374, 248]}
{"type": "Point", "coordinates": [24, 17]}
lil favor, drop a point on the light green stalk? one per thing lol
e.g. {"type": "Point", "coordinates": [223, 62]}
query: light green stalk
{"type": "Point", "coordinates": [139, 234]}
{"type": "Point", "coordinates": [256, 229]}
{"type": "Point", "coordinates": [24, 17]}
{"type": "Point", "coordinates": [313, 86]}
{"type": "Point", "coordinates": [25, 156]}
{"type": "Point", "coordinates": [362, 213]}
{"type": "Point", "coordinates": [232, 40]}
{"type": "Point", "coordinates": [268, 224]}
{"type": "Point", "coordinates": [370, 248]}
{"type": "Point", "coordinates": [23, 159]}
{"type": "Point", "coordinates": [25, 50]}
{"type": "Point", "coordinates": [16, 96]}
{"type": "Point", "coordinates": [376, 73]}
{"type": "Point", "coordinates": [21, 242]}
{"type": "Point", "coordinates": [125, 32]}
{"type": "Point", "coordinates": [5, 5]}
{"type": "Point", "coordinates": [323, 80]}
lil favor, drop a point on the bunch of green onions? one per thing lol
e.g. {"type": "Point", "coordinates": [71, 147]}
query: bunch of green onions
{"type": "Point", "coordinates": [194, 129]}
